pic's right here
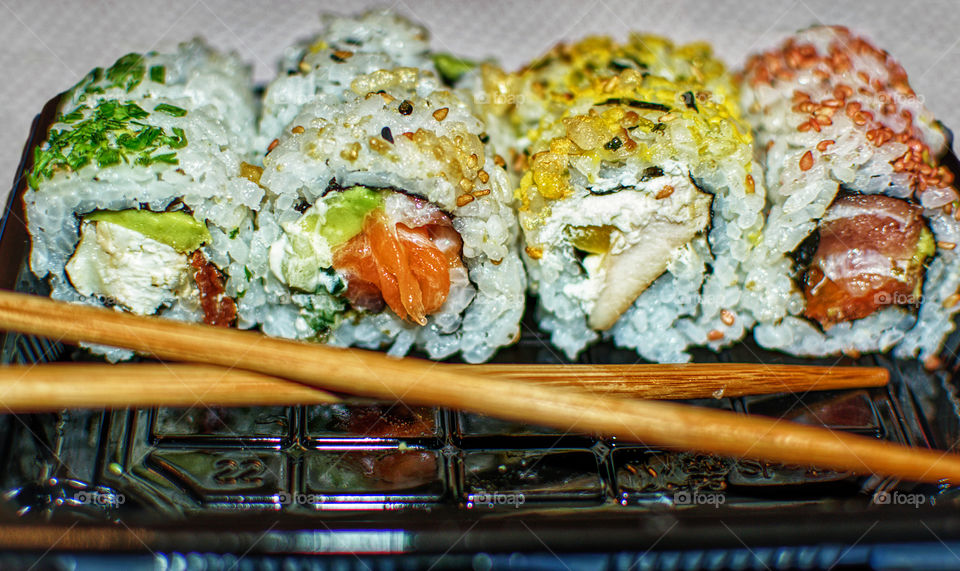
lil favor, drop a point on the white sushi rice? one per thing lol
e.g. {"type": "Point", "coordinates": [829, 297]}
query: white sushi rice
{"type": "Point", "coordinates": [799, 198]}
{"type": "Point", "coordinates": [378, 40]}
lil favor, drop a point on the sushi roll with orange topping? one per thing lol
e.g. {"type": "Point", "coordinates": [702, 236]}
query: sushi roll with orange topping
{"type": "Point", "coordinates": [863, 216]}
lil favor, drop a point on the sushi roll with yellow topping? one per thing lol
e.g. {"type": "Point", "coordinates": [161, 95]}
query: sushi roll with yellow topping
{"type": "Point", "coordinates": [637, 193]}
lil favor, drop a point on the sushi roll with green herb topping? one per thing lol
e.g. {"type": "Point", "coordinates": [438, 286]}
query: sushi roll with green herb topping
{"type": "Point", "coordinates": [137, 198]}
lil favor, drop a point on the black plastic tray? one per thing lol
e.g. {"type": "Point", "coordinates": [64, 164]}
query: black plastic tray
{"type": "Point", "coordinates": [431, 487]}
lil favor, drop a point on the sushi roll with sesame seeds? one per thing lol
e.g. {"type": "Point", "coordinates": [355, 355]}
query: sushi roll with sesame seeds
{"type": "Point", "coordinates": [863, 217]}
{"type": "Point", "coordinates": [638, 198]}
{"type": "Point", "coordinates": [346, 48]}
{"type": "Point", "coordinates": [388, 223]}
{"type": "Point", "coordinates": [137, 197]}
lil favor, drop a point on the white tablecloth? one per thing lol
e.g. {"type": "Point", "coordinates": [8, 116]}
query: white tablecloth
{"type": "Point", "coordinates": [49, 45]}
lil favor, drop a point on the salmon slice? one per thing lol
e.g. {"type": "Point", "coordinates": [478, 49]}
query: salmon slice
{"type": "Point", "coordinates": [869, 256]}
{"type": "Point", "coordinates": [400, 266]}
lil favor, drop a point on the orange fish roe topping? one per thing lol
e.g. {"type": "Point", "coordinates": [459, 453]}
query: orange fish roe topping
{"type": "Point", "coordinates": [885, 89]}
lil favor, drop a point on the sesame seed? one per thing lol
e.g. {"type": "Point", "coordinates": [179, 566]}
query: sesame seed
{"type": "Point", "coordinates": [946, 245]}
{"type": "Point", "coordinates": [464, 199]}
{"type": "Point", "coordinates": [473, 161]}
{"type": "Point", "coordinates": [273, 145]}
{"type": "Point", "coordinates": [386, 134]}
{"type": "Point", "coordinates": [441, 114]}
{"type": "Point", "coordinates": [351, 152]}
{"type": "Point", "coordinates": [727, 317]}
{"type": "Point", "coordinates": [715, 335]}
{"type": "Point", "coordinates": [480, 193]}
{"type": "Point", "coordinates": [932, 363]}
{"type": "Point", "coordinates": [664, 192]}
{"type": "Point", "coordinates": [750, 185]}
{"type": "Point", "coordinates": [406, 107]}
{"type": "Point", "coordinates": [483, 176]}
{"type": "Point", "coordinates": [297, 130]}
{"type": "Point", "coordinates": [806, 161]}
{"type": "Point", "coordinates": [534, 252]}
{"type": "Point", "coordinates": [498, 160]}
{"type": "Point", "coordinates": [822, 145]}
{"type": "Point", "coordinates": [951, 301]}
{"type": "Point", "coordinates": [387, 98]}
{"type": "Point", "coordinates": [377, 144]}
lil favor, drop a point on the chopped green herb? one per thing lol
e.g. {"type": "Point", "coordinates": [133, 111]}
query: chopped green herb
{"type": "Point", "coordinates": [322, 312]}
{"type": "Point", "coordinates": [167, 158]}
{"type": "Point", "coordinates": [234, 233]}
{"type": "Point", "coordinates": [158, 74]}
{"type": "Point", "coordinates": [170, 110]}
{"type": "Point", "coordinates": [111, 134]}
{"type": "Point", "coordinates": [73, 116]}
{"type": "Point", "coordinates": [127, 72]}
{"type": "Point", "coordinates": [451, 68]}
{"type": "Point", "coordinates": [107, 157]}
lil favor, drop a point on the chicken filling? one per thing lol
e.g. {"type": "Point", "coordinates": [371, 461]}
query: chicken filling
{"type": "Point", "coordinates": [142, 261]}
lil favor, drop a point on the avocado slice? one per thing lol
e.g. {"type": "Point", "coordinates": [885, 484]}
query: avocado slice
{"type": "Point", "coordinates": [179, 230]}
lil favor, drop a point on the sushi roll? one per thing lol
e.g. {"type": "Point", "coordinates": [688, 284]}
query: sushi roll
{"type": "Point", "coordinates": [137, 197]}
{"type": "Point", "coordinates": [346, 48]}
{"type": "Point", "coordinates": [863, 217]}
{"type": "Point", "coordinates": [388, 223]}
{"type": "Point", "coordinates": [637, 193]}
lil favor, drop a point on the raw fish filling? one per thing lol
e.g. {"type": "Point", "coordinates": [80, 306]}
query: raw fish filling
{"type": "Point", "coordinates": [871, 255]}
{"type": "Point", "coordinates": [391, 249]}
{"type": "Point", "coordinates": [401, 266]}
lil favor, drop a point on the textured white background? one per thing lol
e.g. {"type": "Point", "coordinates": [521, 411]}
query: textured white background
{"type": "Point", "coordinates": [48, 45]}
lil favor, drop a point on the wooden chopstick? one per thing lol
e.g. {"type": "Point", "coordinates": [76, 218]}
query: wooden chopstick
{"type": "Point", "coordinates": [690, 380]}
{"type": "Point", "coordinates": [50, 387]}
{"type": "Point", "coordinates": [417, 382]}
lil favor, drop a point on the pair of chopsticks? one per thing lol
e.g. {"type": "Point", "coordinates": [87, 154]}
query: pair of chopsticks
{"type": "Point", "coordinates": [418, 382]}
